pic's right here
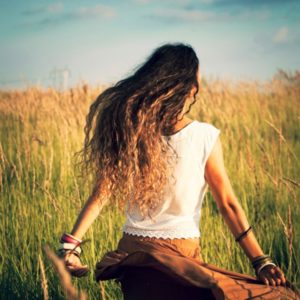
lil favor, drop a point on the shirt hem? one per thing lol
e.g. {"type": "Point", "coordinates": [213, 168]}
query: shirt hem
{"type": "Point", "coordinates": [161, 234]}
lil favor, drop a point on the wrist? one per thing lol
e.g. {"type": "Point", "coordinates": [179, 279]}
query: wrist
{"type": "Point", "coordinates": [255, 256]}
{"type": "Point", "coordinates": [260, 262]}
{"type": "Point", "coordinates": [69, 244]}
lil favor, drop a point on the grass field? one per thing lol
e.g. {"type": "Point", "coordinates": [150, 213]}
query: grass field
{"type": "Point", "coordinates": [41, 192]}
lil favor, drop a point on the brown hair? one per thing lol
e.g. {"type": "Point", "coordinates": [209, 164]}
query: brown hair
{"type": "Point", "coordinates": [124, 146]}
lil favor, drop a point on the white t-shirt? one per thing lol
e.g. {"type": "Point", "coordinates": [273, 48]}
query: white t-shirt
{"type": "Point", "coordinates": [178, 216]}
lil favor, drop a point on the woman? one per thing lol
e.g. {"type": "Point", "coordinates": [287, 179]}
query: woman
{"type": "Point", "coordinates": [147, 154]}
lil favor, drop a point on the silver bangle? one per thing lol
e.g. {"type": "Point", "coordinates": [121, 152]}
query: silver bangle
{"type": "Point", "coordinates": [264, 265]}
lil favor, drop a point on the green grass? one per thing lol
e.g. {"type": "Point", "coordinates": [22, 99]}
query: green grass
{"type": "Point", "coordinates": [42, 194]}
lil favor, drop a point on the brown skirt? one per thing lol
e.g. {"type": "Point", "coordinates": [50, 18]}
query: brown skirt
{"type": "Point", "coordinates": [154, 268]}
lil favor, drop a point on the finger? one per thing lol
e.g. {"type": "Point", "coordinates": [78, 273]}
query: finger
{"type": "Point", "coordinates": [76, 268]}
{"type": "Point", "coordinates": [264, 280]}
{"type": "Point", "coordinates": [73, 259]}
{"type": "Point", "coordinates": [73, 263]}
{"type": "Point", "coordinates": [84, 272]}
{"type": "Point", "coordinates": [75, 271]}
{"type": "Point", "coordinates": [267, 276]}
{"type": "Point", "coordinates": [280, 275]}
{"type": "Point", "coordinates": [69, 264]}
{"type": "Point", "coordinates": [72, 268]}
{"type": "Point", "coordinates": [275, 276]}
{"type": "Point", "coordinates": [277, 279]}
{"type": "Point", "coordinates": [80, 272]}
{"type": "Point", "coordinates": [283, 281]}
{"type": "Point", "coordinates": [271, 280]}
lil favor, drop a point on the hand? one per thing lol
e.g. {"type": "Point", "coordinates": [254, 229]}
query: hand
{"type": "Point", "coordinates": [74, 265]}
{"type": "Point", "coordinates": [272, 275]}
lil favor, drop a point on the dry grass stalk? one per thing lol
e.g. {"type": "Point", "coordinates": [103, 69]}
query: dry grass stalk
{"type": "Point", "coordinates": [279, 131]}
{"type": "Point", "coordinates": [282, 138]}
{"type": "Point", "coordinates": [288, 229]}
{"type": "Point", "coordinates": [64, 276]}
{"type": "Point", "coordinates": [227, 240]}
{"type": "Point", "coordinates": [51, 197]}
{"type": "Point", "coordinates": [290, 189]}
{"type": "Point", "coordinates": [290, 234]}
{"type": "Point", "coordinates": [274, 181]}
{"type": "Point", "coordinates": [297, 184]}
{"type": "Point", "coordinates": [43, 279]}
{"type": "Point", "coordinates": [102, 291]}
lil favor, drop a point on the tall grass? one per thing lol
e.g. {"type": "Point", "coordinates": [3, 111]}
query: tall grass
{"type": "Point", "coordinates": [42, 194]}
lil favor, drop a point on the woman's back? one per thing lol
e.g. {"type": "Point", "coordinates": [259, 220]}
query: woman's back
{"type": "Point", "coordinates": [178, 214]}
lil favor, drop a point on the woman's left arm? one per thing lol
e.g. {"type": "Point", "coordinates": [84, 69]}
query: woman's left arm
{"type": "Point", "coordinates": [233, 214]}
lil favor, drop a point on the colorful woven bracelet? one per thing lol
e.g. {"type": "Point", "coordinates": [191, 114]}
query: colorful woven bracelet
{"type": "Point", "coordinates": [68, 238]}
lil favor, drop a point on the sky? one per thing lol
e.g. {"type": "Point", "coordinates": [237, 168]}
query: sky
{"type": "Point", "coordinates": [48, 43]}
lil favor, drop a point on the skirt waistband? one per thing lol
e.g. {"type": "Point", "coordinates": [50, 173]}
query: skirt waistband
{"type": "Point", "coordinates": [187, 246]}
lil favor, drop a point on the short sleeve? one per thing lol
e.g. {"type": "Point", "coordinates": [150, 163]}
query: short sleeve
{"type": "Point", "coordinates": [210, 138]}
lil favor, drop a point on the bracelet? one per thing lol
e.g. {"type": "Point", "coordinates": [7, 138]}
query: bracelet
{"type": "Point", "coordinates": [260, 260]}
{"type": "Point", "coordinates": [262, 266]}
{"type": "Point", "coordinates": [68, 238]}
{"type": "Point", "coordinates": [68, 246]}
{"type": "Point", "coordinates": [243, 234]}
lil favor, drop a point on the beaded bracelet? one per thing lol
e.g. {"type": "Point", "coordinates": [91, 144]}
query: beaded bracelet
{"type": "Point", "coordinates": [243, 234]}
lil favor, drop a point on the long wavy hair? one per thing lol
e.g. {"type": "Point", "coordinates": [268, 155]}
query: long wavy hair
{"type": "Point", "coordinates": [126, 142]}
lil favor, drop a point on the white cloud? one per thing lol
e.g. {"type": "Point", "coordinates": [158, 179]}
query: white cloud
{"type": "Point", "coordinates": [281, 36]}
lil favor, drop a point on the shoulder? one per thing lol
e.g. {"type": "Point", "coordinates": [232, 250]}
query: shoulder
{"type": "Point", "coordinates": [206, 136]}
{"type": "Point", "coordinates": [206, 128]}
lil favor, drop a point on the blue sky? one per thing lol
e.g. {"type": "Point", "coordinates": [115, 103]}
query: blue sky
{"type": "Point", "coordinates": [103, 41]}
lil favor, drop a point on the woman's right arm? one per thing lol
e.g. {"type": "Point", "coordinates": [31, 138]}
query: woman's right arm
{"type": "Point", "coordinates": [88, 214]}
